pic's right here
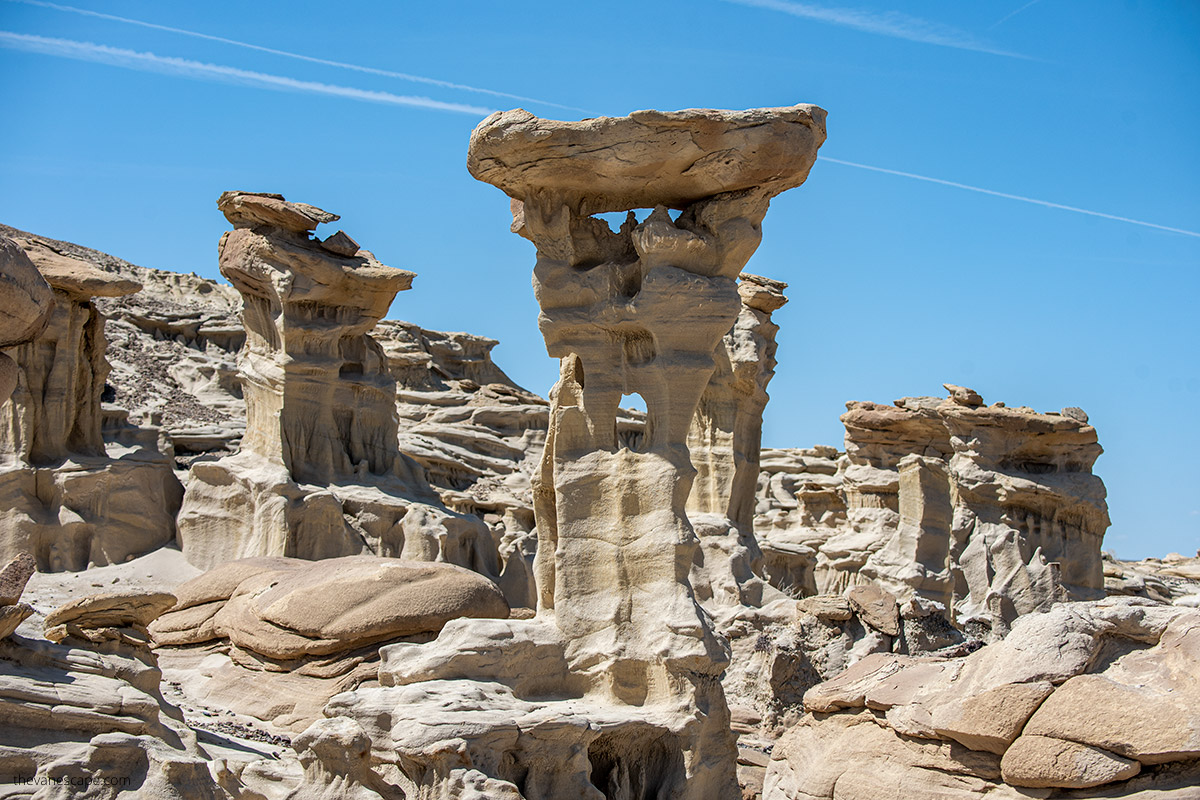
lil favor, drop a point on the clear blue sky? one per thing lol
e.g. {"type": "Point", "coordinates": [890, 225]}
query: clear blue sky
{"type": "Point", "coordinates": [120, 137]}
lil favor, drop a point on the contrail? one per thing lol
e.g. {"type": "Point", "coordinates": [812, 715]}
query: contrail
{"type": "Point", "coordinates": [404, 76]}
{"type": "Point", "coordinates": [892, 23]}
{"type": "Point", "coordinates": [149, 62]}
{"type": "Point", "coordinates": [1012, 14]}
{"type": "Point", "coordinates": [1045, 203]}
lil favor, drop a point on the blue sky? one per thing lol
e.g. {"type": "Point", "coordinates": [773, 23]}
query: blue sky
{"type": "Point", "coordinates": [121, 136]}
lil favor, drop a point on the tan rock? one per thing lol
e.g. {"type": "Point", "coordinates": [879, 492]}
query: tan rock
{"type": "Point", "coordinates": [991, 719]}
{"type": "Point", "coordinates": [25, 297]}
{"type": "Point", "coordinates": [111, 609]}
{"type": "Point", "coordinates": [63, 497]}
{"type": "Point", "coordinates": [1043, 761]}
{"type": "Point", "coordinates": [319, 473]}
{"type": "Point", "coordinates": [648, 158]}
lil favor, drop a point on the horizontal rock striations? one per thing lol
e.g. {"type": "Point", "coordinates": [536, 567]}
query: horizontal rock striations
{"type": "Point", "coordinates": [1099, 696]}
{"type": "Point", "coordinates": [67, 496]}
{"type": "Point", "coordinates": [319, 473]}
{"type": "Point", "coordinates": [992, 512]}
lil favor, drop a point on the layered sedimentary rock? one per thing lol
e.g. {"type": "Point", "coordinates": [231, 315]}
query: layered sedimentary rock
{"type": "Point", "coordinates": [724, 443]}
{"type": "Point", "coordinates": [1091, 699]}
{"type": "Point", "coordinates": [612, 689]}
{"type": "Point", "coordinates": [319, 473]}
{"type": "Point", "coordinates": [25, 303]}
{"type": "Point", "coordinates": [67, 496]}
{"type": "Point", "coordinates": [83, 713]}
{"type": "Point", "coordinates": [1173, 579]}
{"type": "Point", "coordinates": [992, 512]}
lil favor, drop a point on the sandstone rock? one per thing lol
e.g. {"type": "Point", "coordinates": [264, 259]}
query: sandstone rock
{"type": "Point", "coordinates": [25, 297]}
{"type": "Point", "coordinates": [341, 604]}
{"type": "Point", "coordinates": [319, 473]}
{"type": "Point", "coordinates": [876, 607]}
{"type": "Point", "coordinates": [724, 441]}
{"type": "Point", "coordinates": [648, 158]}
{"type": "Point", "coordinates": [64, 497]}
{"type": "Point", "coordinates": [11, 617]}
{"type": "Point", "coordinates": [341, 244]}
{"type": "Point", "coordinates": [111, 609]}
{"type": "Point", "coordinates": [287, 609]}
{"type": "Point", "coordinates": [1043, 761]}
{"type": "Point", "coordinates": [14, 576]}
{"type": "Point", "coordinates": [1089, 694]}
{"type": "Point", "coordinates": [627, 700]}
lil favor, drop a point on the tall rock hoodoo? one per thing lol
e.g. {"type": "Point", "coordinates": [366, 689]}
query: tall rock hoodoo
{"type": "Point", "coordinates": [319, 473]}
{"type": "Point", "coordinates": [66, 496]}
{"type": "Point", "coordinates": [613, 689]}
{"type": "Point", "coordinates": [724, 442]}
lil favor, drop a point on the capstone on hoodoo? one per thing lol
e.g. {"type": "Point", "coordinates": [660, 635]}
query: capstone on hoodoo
{"type": "Point", "coordinates": [613, 689]}
{"type": "Point", "coordinates": [319, 473]}
{"type": "Point", "coordinates": [991, 511]}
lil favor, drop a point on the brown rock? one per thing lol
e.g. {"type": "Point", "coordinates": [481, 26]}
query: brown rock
{"type": "Point", "coordinates": [1043, 761]}
{"type": "Point", "coordinates": [14, 576]}
{"type": "Point", "coordinates": [875, 607]}
{"type": "Point", "coordinates": [12, 616]}
{"type": "Point", "coordinates": [963, 396]}
{"type": "Point", "coordinates": [339, 604]}
{"type": "Point", "coordinates": [340, 244]}
{"type": "Point", "coordinates": [250, 209]}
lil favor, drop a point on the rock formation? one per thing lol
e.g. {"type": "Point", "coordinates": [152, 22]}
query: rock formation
{"type": "Point", "coordinates": [25, 303]}
{"type": "Point", "coordinates": [66, 496]}
{"type": "Point", "coordinates": [83, 713]}
{"type": "Point", "coordinates": [1173, 579]}
{"type": "Point", "coordinates": [992, 512]}
{"type": "Point", "coordinates": [724, 443]}
{"type": "Point", "coordinates": [1091, 699]}
{"type": "Point", "coordinates": [319, 473]}
{"type": "Point", "coordinates": [612, 689]}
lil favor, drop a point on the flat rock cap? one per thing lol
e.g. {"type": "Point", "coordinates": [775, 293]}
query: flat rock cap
{"type": "Point", "coordinates": [648, 158]}
{"type": "Point", "coordinates": [253, 209]}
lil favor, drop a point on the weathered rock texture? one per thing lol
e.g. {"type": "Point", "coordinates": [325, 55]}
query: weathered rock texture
{"type": "Point", "coordinates": [612, 690]}
{"type": "Point", "coordinates": [66, 496]}
{"type": "Point", "coordinates": [172, 348]}
{"type": "Point", "coordinates": [319, 473]}
{"type": "Point", "coordinates": [83, 714]}
{"type": "Point", "coordinates": [991, 511]}
{"type": "Point", "coordinates": [1173, 579]}
{"type": "Point", "coordinates": [724, 443]}
{"type": "Point", "coordinates": [25, 303]}
{"type": "Point", "coordinates": [1101, 696]}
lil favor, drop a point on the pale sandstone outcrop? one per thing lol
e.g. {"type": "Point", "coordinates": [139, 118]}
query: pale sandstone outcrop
{"type": "Point", "coordinates": [1173, 579]}
{"type": "Point", "coordinates": [319, 473]}
{"type": "Point", "coordinates": [25, 303]}
{"type": "Point", "coordinates": [67, 496]}
{"type": "Point", "coordinates": [84, 714]}
{"type": "Point", "coordinates": [990, 511]}
{"type": "Point", "coordinates": [1083, 695]}
{"type": "Point", "coordinates": [612, 689]}
{"type": "Point", "coordinates": [298, 614]}
{"type": "Point", "coordinates": [724, 441]}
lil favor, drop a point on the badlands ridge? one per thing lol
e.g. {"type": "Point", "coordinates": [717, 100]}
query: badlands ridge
{"type": "Point", "coordinates": [259, 543]}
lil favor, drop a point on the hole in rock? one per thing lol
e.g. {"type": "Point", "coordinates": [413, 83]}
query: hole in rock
{"type": "Point", "coordinates": [616, 219]}
{"type": "Point", "coordinates": [634, 402]}
{"type": "Point", "coordinates": [636, 762]}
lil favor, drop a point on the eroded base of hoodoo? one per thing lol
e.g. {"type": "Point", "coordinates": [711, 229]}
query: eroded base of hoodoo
{"type": "Point", "coordinates": [493, 709]}
{"type": "Point", "coordinates": [87, 511]}
{"type": "Point", "coordinates": [240, 508]}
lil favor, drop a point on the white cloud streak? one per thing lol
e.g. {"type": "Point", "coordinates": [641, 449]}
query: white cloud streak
{"type": "Point", "coordinates": [404, 76]}
{"type": "Point", "coordinates": [892, 24]}
{"type": "Point", "coordinates": [1012, 14]}
{"type": "Point", "coordinates": [1007, 196]}
{"type": "Point", "coordinates": [182, 67]}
